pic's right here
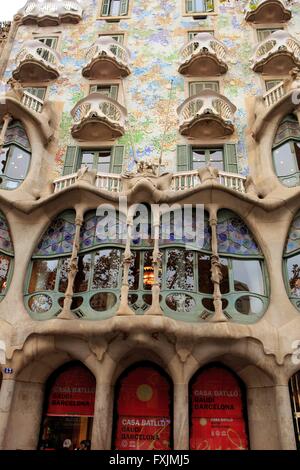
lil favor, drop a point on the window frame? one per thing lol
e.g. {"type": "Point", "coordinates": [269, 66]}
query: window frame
{"type": "Point", "coordinates": [96, 157]}
{"type": "Point", "coordinates": [196, 14]}
{"type": "Point", "coordinates": [112, 18]}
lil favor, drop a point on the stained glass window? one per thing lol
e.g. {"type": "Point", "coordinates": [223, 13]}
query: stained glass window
{"type": "Point", "coordinates": [234, 237]}
{"type": "Point", "coordinates": [58, 238]}
{"type": "Point", "coordinates": [99, 229]}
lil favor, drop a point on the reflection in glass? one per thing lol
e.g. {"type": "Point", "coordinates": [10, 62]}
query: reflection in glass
{"type": "Point", "coordinates": [43, 275]}
{"type": "Point", "coordinates": [248, 276]}
{"type": "Point", "coordinates": [82, 277]}
{"type": "Point", "coordinates": [180, 302]}
{"type": "Point", "coordinates": [18, 163]}
{"type": "Point", "coordinates": [4, 268]}
{"type": "Point", "coordinates": [180, 269]}
{"type": "Point", "coordinates": [284, 159]}
{"type": "Point", "coordinates": [204, 265]}
{"type": "Point", "coordinates": [107, 265]}
{"type": "Point", "coordinates": [224, 284]}
{"type": "Point", "coordinates": [40, 303]}
{"type": "Point", "coordinates": [134, 271]}
{"type": "Point", "coordinates": [63, 274]}
{"type": "Point", "coordinates": [103, 301]}
{"type": "Point", "coordinates": [248, 304]}
{"type": "Point", "coordinates": [293, 268]}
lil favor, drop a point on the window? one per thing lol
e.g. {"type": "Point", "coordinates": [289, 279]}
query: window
{"type": "Point", "coordinates": [294, 386]}
{"type": "Point", "coordinates": [106, 160]}
{"type": "Point", "coordinates": [292, 262]}
{"type": "Point", "coordinates": [15, 156]}
{"type": "Point", "coordinates": [199, 6]}
{"type": "Point", "coordinates": [96, 286]}
{"type": "Point", "coordinates": [286, 151]}
{"type": "Point", "coordinates": [6, 256]}
{"type": "Point", "coordinates": [262, 34]}
{"type": "Point", "coordinates": [197, 87]}
{"type": "Point", "coordinates": [117, 37]}
{"type": "Point", "coordinates": [108, 90]}
{"type": "Point", "coordinates": [49, 41]}
{"type": "Point", "coordinates": [39, 92]}
{"type": "Point", "coordinates": [114, 8]}
{"type": "Point", "coordinates": [269, 84]}
{"type": "Point", "coordinates": [193, 158]}
{"type": "Point", "coordinates": [192, 34]}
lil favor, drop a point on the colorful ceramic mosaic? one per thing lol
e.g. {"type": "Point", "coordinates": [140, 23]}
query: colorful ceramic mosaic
{"type": "Point", "coordinates": [154, 37]}
{"type": "Point", "coordinates": [293, 241]}
{"type": "Point", "coordinates": [58, 238]}
{"type": "Point", "coordinates": [6, 245]}
{"type": "Point", "coordinates": [234, 237]}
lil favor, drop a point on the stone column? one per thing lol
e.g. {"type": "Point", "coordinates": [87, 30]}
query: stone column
{"type": "Point", "coordinates": [181, 416]}
{"type": "Point", "coordinates": [6, 396]}
{"type": "Point", "coordinates": [216, 273]}
{"type": "Point", "coordinates": [7, 118]}
{"type": "Point", "coordinates": [285, 423]}
{"type": "Point", "coordinates": [155, 308]}
{"type": "Point", "coordinates": [103, 417]}
{"type": "Point", "coordinates": [124, 308]}
{"type": "Point", "coordinates": [66, 313]}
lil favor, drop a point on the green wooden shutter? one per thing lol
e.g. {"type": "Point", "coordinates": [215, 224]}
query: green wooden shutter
{"type": "Point", "coordinates": [105, 8]}
{"type": "Point", "coordinates": [230, 159]}
{"type": "Point", "coordinates": [189, 6]}
{"type": "Point", "coordinates": [183, 157]}
{"type": "Point", "coordinates": [114, 92]}
{"type": "Point", "coordinates": [124, 7]}
{"type": "Point", "coordinates": [70, 165]}
{"type": "Point", "coordinates": [209, 5]}
{"type": "Point", "coordinates": [116, 164]}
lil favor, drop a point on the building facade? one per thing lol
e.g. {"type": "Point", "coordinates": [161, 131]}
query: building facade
{"type": "Point", "coordinates": [139, 336]}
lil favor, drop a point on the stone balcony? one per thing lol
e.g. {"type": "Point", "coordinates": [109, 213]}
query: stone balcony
{"type": "Point", "coordinates": [50, 12]}
{"type": "Point", "coordinates": [204, 55]}
{"type": "Point", "coordinates": [180, 181]}
{"type": "Point", "coordinates": [36, 62]}
{"type": "Point", "coordinates": [98, 117]}
{"type": "Point", "coordinates": [106, 59]}
{"type": "Point", "coordinates": [277, 54]}
{"type": "Point", "coordinates": [268, 11]}
{"type": "Point", "coordinates": [206, 115]}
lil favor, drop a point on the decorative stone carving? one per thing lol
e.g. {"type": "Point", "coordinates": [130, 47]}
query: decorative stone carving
{"type": "Point", "coordinates": [208, 174]}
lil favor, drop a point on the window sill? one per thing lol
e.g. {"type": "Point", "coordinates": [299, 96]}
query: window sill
{"type": "Point", "coordinates": [200, 15]}
{"type": "Point", "coordinates": [113, 19]}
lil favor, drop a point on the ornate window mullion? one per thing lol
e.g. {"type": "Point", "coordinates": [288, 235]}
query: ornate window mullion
{"type": "Point", "coordinates": [7, 118]}
{"type": "Point", "coordinates": [216, 273]}
{"type": "Point", "coordinates": [73, 269]}
{"type": "Point", "coordinates": [124, 308]}
{"type": "Point", "coordinates": [155, 308]}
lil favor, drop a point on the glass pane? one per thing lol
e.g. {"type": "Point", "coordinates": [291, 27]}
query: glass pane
{"type": "Point", "coordinates": [17, 163]}
{"type": "Point", "coordinates": [103, 164]}
{"type": "Point", "coordinates": [4, 269]}
{"type": "Point", "coordinates": [81, 282]}
{"type": "Point", "coordinates": [180, 269]}
{"type": "Point", "coordinates": [216, 159]}
{"type": "Point", "coordinates": [103, 301]}
{"type": "Point", "coordinates": [104, 90]}
{"type": "Point", "coordinates": [43, 275]}
{"type": "Point", "coordinates": [293, 269]}
{"type": "Point", "coordinates": [248, 304]}
{"type": "Point", "coordinates": [198, 159]}
{"type": "Point", "coordinates": [284, 160]}
{"type": "Point", "coordinates": [115, 8]}
{"type": "Point", "coordinates": [180, 302]}
{"type": "Point", "coordinates": [63, 274]}
{"type": "Point", "coordinates": [199, 5]}
{"type": "Point", "coordinates": [40, 303]}
{"type": "Point", "coordinates": [134, 271]}
{"type": "Point", "coordinates": [107, 265]}
{"type": "Point", "coordinates": [248, 276]}
{"type": "Point", "coordinates": [204, 274]}
{"type": "Point", "coordinates": [87, 159]}
{"type": "Point", "coordinates": [224, 285]}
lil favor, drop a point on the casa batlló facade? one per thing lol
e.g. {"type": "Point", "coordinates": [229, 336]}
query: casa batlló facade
{"type": "Point", "coordinates": [136, 337]}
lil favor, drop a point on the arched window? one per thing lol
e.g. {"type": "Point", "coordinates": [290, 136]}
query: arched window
{"type": "Point", "coordinates": [292, 262]}
{"type": "Point", "coordinates": [218, 418]}
{"type": "Point", "coordinates": [6, 256]}
{"type": "Point", "coordinates": [142, 411]}
{"type": "Point", "coordinates": [286, 151]}
{"type": "Point", "coordinates": [15, 156]}
{"type": "Point", "coordinates": [99, 272]}
{"type": "Point", "coordinates": [68, 407]}
{"type": "Point", "coordinates": [244, 283]}
{"type": "Point", "coordinates": [294, 386]}
{"type": "Point", "coordinates": [48, 273]}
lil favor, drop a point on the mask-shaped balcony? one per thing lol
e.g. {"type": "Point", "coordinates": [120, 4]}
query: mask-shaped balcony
{"type": "Point", "coordinates": [106, 58]}
{"type": "Point", "coordinates": [203, 56]}
{"type": "Point", "coordinates": [36, 62]}
{"type": "Point", "coordinates": [206, 115]}
{"type": "Point", "coordinates": [277, 54]}
{"type": "Point", "coordinates": [98, 117]}
{"type": "Point", "coordinates": [51, 12]}
{"type": "Point", "coordinates": [267, 11]}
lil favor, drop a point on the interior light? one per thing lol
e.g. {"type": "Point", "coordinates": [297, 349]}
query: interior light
{"type": "Point", "coordinates": [148, 275]}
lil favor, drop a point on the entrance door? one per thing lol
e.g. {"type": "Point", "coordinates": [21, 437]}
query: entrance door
{"type": "Point", "coordinates": [69, 407]}
{"type": "Point", "coordinates": [217, 413]}
{"type": "Point", "coordinates": [143, 410]}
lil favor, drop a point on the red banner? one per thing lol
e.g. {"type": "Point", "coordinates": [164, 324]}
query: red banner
{"type": "Point", "coordinates": [217, 412]}
{"type": "Point", "coordinates": [72, 393]}
{"type": "Point", "coordinates": [143, 411]}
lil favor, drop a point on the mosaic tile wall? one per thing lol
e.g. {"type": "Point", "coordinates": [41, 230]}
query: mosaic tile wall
{"type": "Point", "coordinates": [155, 36]}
